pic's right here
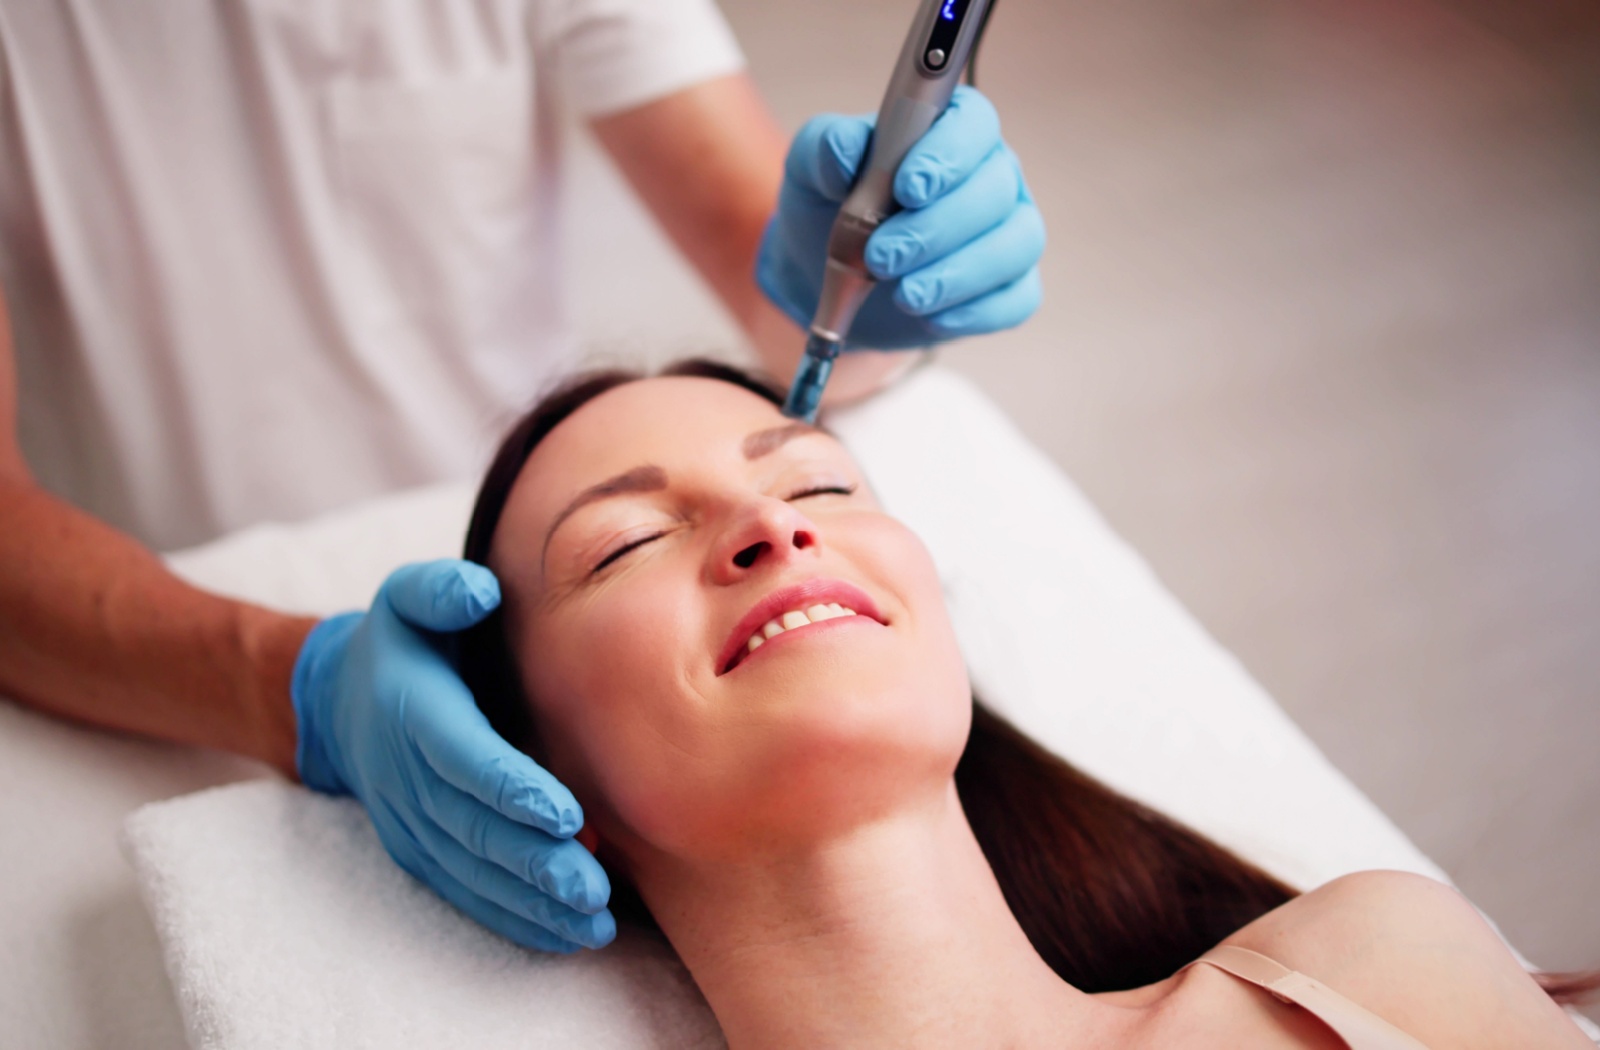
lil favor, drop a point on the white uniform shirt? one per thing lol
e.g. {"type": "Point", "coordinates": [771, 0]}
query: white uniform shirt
{"type": "Point", "coordinates": [266, 257]}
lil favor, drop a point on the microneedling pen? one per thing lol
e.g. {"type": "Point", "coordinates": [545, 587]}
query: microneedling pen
{"type": "Point", "coordinates": [930, 65]}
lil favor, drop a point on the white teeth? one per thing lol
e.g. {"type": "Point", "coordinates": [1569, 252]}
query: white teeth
{"type": "Point", "coordinates": [796, 618]}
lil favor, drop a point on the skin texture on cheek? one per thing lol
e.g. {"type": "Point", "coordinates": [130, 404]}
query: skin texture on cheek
{"type": "Point", "coordinates": [612, 673]}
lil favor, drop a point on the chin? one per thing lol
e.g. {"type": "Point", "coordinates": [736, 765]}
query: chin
{"type": "Point", "coordinates": [876, 695]}
{"type": "Point", "coordinates": [850, 740]}
{"type": "Point", "coordinates": [808, 768]}
{"type": "Point", "coordinates": [801, 749]}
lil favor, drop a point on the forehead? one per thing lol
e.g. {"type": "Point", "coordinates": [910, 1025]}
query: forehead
{"type": "Point", "coordinates": [668, 420]}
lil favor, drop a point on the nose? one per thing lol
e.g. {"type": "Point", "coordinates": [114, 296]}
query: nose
{"type": "Point", "coordinates": [769, 534]}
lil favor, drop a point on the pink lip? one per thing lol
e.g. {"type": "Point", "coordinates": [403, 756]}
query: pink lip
{"type": "Point", "coordinates": [798, 596]}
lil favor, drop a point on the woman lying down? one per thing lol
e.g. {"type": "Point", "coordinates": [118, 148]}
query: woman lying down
{"type": "Point", "coordinates": [744, 669]}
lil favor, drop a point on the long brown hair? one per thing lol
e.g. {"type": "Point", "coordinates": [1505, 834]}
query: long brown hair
{"type": "Point", "coordinates": [1112, 894]}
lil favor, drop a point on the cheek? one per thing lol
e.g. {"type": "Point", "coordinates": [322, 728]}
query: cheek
{"type": "Point", "coordinates": [619, 643]}
{"type": "Point", "coordinates": [613, 683]}
{"type": "Point", "coordinates": [919, 697]}
{"type": "Point", "coordinates": [902, 561]}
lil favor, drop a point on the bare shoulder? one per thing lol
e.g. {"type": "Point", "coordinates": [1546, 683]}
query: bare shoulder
{"type": "Point", "coordinates": [1417, 953]}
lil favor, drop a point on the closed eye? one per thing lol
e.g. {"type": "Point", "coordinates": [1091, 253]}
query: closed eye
{"type": "Point", "coordinates": [842, 490]}
{"type": "Point", "coordinates": [818, 490]}
{"type": "Point", "coordinates": [624, 549]}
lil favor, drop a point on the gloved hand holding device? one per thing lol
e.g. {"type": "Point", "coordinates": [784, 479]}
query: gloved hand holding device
{"type": "Point", "coordinates": [384, 716]}
{"type": "Point", "coordinates": [961, 258]}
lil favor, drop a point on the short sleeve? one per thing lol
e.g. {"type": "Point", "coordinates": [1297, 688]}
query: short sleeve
{"type": "Point", "coordinates": [612, 55]}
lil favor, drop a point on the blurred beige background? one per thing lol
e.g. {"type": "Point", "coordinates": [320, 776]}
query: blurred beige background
{"type": "Point", "coordinates": [1321, 337]}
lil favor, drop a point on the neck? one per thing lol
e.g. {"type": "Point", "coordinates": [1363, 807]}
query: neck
{"type": "Point", "coordinates": [894, 933]}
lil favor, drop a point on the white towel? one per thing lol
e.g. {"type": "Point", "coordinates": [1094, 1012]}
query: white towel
{"type": "Point", "coordinates": [285, 925]}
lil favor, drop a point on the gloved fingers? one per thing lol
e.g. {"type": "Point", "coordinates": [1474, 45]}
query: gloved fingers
{"type": "Point", "coordinates": [413, 857]}
{"type": "Point", "coordinates": [508, 924]}
{"type": "Point", "coordinates": [444, 595]}
{"type": "Point", "coordinates": [493, 884]}
{"type": "Point", "coordinates": [778, 273]}
{"type": "Point", "coordinates": [990, 262]}
{"type": "Point", "coordinates": [910, 240]}
{"type": "Point", "coordinates": [953, 148]}
{"type": "Point", "coordinates": [1002, 308]}
{"type": "Point", "coordinates": [464, 750]}
{"type": "Point", "coordinates": [562, 868]}
{"type": "Point", "coordinates": [826, 153]}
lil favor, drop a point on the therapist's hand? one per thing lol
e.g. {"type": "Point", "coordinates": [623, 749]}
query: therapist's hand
{"type": "Point", "coordinates": [384, 716]}
{"type": "Point", "coordinates": [961, 259]}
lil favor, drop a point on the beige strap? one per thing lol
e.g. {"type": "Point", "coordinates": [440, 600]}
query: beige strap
{"type": "Point", "coordinates": [1360, 1028]}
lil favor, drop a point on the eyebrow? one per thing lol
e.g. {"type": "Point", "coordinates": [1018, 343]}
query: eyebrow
{"type": "Point", "coordinates": [648, 478]}
{"type": "Point", "coordinates": [763, 442]}
{"type": "Point", "coordinates": [651, 478]}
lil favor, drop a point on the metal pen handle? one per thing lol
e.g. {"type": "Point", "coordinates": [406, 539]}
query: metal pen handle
{"type": "Point", "coordinates": [926, 75]}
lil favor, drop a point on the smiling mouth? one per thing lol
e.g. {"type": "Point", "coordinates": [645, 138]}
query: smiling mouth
{"type": "Point", "coordinates": [804, 604]}
{"type": "Point", "coordinates": [792, 620]}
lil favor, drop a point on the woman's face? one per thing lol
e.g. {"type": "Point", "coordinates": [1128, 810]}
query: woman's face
{"type": "Point", "coordinates": [648, 539]}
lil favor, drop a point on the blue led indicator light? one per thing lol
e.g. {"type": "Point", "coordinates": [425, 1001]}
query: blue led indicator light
{"type": "Point", "coordinates": [948, 13]}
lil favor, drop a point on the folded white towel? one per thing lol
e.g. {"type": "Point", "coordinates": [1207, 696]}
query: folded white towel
{"type": "Point", "coordinates": [285, 925]}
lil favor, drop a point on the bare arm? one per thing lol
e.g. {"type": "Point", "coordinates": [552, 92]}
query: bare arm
{"type": "Point", "coordinates": [95, 629]}
{"type": "Point", "coordinates": [708, 161]}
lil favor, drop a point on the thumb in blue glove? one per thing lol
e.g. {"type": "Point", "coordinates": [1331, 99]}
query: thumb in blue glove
{"type": "Point", "coordinates": [384, 716]}
{"type": "Point", "coordinates": [961, 258]}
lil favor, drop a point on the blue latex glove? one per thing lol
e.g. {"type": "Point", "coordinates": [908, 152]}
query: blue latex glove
{"type": "Point", "coordinates": [961, 259]}
{"type": "Point", "coordinates": [384, 716]}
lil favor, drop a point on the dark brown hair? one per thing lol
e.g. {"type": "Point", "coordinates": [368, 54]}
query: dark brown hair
{"type": "Point", "coordinates": [1112, 894]}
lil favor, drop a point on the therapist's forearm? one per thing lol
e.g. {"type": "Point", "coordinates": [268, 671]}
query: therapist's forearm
{"type": "Point", "coordinates": [94, 628]}
{"type": "Point", "coordinates": [708, 161]}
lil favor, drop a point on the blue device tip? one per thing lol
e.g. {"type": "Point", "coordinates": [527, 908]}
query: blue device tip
{"type": "Point", "coordinates": [805, 393]}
